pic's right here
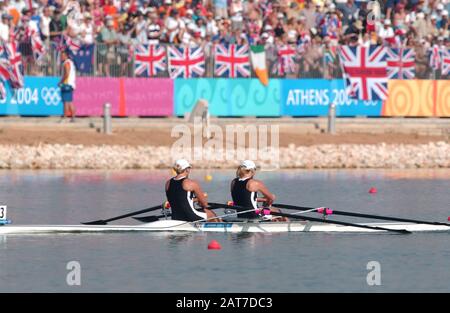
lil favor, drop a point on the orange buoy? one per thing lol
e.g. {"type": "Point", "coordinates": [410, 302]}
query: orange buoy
{"type": "Point", "coordinates": [214, 245]}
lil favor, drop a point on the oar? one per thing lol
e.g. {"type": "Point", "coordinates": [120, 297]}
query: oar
{"type": "Point", "coordinates": [214, 205]}
{"type": "Point", "coordinates": [104, 222]}
{"type": "Point", "coordinates": [153, 218]}
{"type": "Point", "coordinates": [150, 218]}
{"type": "Point", "coordinates": [356, 214]}
{"type": "Point", "coordinates": [313, 219]}
{"type": "Point", "coordinates": [402, 231]}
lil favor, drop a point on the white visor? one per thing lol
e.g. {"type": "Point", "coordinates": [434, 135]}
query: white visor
{"type": "Point", "coordinates": [182, 164]}
{"type": "Point", "coordinates": [248, 165]}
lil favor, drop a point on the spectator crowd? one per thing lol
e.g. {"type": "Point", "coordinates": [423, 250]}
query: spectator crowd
{"type": "Point", "coordinates": [312, 26]}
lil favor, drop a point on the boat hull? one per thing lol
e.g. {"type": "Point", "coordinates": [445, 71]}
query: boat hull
{"type": "Point", "coordinates": [225, 227]}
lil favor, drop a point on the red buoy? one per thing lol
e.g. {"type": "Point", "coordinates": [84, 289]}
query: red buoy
{"type": "Point", "coordinates": [214, 245]}
{"type": "Point", "coordinates": [373, 190]}
{"type": "Point", "coordinates": [448, 218]}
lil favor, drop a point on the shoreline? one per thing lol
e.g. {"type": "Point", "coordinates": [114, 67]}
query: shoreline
{"type": "Point", "coordinates": [328, 156]}
{"type": "Point", "coordinates": [138, 143]}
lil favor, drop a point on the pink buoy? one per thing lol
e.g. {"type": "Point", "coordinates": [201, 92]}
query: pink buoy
{"type": "Point", "coordinates": [214, 245]}
{"type": "Point", "coordinates": [373, 190]}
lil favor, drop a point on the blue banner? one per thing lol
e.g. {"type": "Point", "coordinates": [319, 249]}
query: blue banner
{"type": "Point", "coordinates": [39, 97]}
{"type": "Point", "coordinates": [228, 97]}
{"type": "Point", "coordinates": [312, 97]}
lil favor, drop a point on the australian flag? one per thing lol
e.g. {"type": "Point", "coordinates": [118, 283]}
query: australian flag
{"type": "Point", "coordinates": [81, 54]}
{"type": "Point", "coordinates": [83, 58]}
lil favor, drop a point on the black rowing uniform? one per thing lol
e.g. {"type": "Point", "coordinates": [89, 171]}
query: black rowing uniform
{"type": "Point", "coordinates": [182, 202]}
{"type": "Point", "coordinates": [243, 197]}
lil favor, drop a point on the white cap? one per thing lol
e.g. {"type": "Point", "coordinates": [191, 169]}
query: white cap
{"type": "Point", "coordinates": [433, 17]}
{"type": "Point", "coordinates": [387, 22]}
{"type": "Point", "coordinates": [182, 164]}
{"type": "Point", "coordinates": [280, 15]}
{"type": "Point", "coordinates": [444, 13]}
{"type": "Point", "coordinates": [248, 165]}
{"type": "Point", "coordinates": [440, 6]}
{"type": "Point", "coordinates": [190, 12]}
{"type": "Point", "coordinates": [264, 35]}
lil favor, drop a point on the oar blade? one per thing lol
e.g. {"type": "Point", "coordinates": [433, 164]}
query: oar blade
{"type": "Point", "coordinates": [99, 222]}
{"type": "Point", "coordinates": [105, 222]}
{"type": "Point", "coordinates": [146, 219]}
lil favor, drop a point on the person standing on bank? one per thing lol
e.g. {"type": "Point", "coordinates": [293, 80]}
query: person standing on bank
{"type": "Point", "coordinates": [67, 85]}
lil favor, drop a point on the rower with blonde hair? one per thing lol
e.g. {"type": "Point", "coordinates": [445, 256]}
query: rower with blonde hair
{"type": "Point", "coordinates": [182, 192]}
{"type": "Point", "coordinates": [245, 189]}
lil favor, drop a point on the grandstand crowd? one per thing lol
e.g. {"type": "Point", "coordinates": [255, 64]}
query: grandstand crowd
{"type": "Point", "coordinates": [312, 26]}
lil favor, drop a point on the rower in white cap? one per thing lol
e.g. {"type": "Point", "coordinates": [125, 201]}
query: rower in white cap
{"type": "Point", "coordinates": [181, 193]}
{"type": "Point", "coordinates": [245, 189]}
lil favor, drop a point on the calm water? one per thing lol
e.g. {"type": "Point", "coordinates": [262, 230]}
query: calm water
{"type": "Point", "coordinates": [246, 263]}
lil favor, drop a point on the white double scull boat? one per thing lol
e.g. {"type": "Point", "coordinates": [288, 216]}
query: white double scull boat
{"type": "Point", "coordinates": [223, 227]}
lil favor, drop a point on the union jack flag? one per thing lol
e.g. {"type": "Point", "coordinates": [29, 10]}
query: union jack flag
{"type": "Point", "coordinates": [401, 63]}
{"type": "Point", "coordinates": [37, 46]}
{"type": "Point", "coordinates": [186, 62]}
{"type": "Point", "coordinates": [16, 67]}
{"type": "Point", "coordinates": [364, 71]}
{"type": "Point", "coordinates": [11, 69]}
{"type": "Point", "coordinates": [285, 60]}
{"type": "Point", "coordinates": [445, 61]}
{"type": "Point", "coordinates": [231, 61]}
{"type": "Point", "coordinates": [149, 60]}
{"type": "Point", "coordinates": [4, 70]}
{"type": "Point", "coordinates": [435, 58]}
{"type": "Point", "coordinates": [69, 43]}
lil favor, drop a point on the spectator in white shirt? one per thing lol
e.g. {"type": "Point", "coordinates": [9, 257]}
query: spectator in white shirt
{"type": "Point", "coordinates": [141, 29]}
{"type": "Point", "coordinates": [175, 28]}
{"type": "Point", "coordinates": [44, 23]}
{"type": "Point", "coordinates": [87, 29]}
{"type": "Point", "coordinates": [154, 29]}
{"type": "Point", "coordinates": [211, 25]}
{"type": "Point", "coordinates": [386, 32]}
{"type": "Point", "coordinates": [19, 5]}
{"type": "Point", "coordinates": [4, 28]}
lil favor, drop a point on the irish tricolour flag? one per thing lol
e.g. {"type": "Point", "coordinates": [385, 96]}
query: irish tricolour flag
{"type": "Point", "coordinates": [258, 58]}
